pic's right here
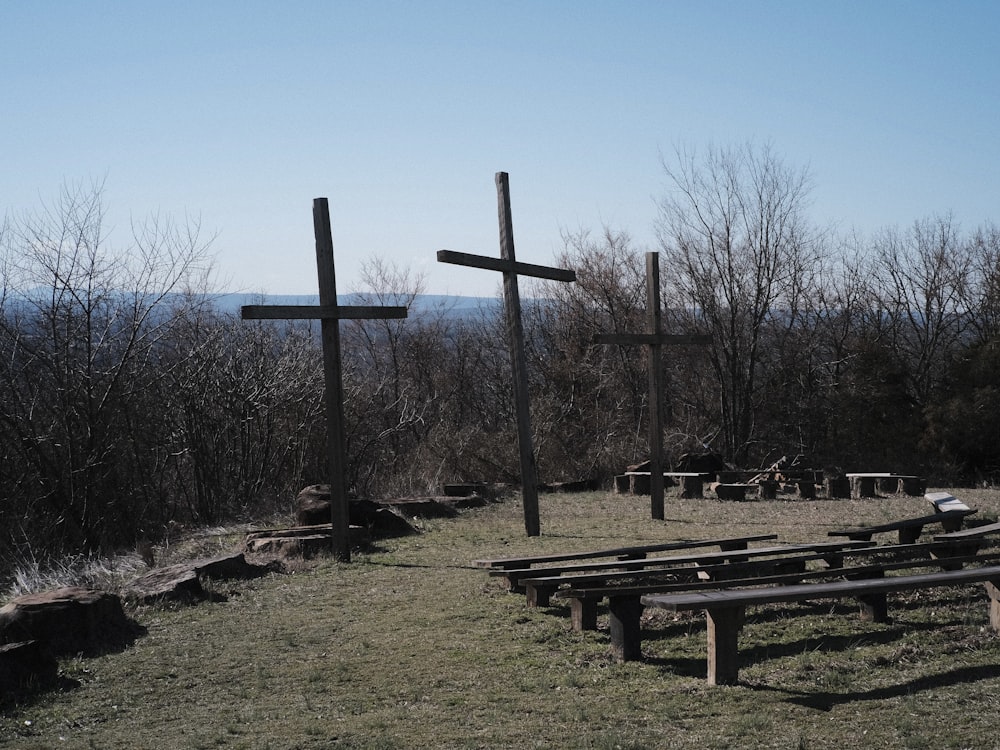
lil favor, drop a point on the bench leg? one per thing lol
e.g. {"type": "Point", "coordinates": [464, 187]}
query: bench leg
{"type": "Point", "coordinates": [583, 612]}
{"type": "Point", "coordinates": [537, 596]}
{"type": "Point", "coordinates": [952, 524]}
{"type": "Point", "coordinates": [874, 607]}
{"type": "Point", "coordinates": [513, 584]}
{"type": "Point", "coordinates": [993, 589]}
{"type": "Point", "coordinates": [724, 625]}
{"type": "Point", "coordinates": [626, 636]}
{"type": "Point", "coordinates": [965, 548]}
{"type": "Point", "coordinates": [910, 535]}
{"type": "Point", "coordinates": [862, 487]}
{"type": "Point", "coordinates": [692, 487]}
{"type": "Point", "coordinates": [889, 485]}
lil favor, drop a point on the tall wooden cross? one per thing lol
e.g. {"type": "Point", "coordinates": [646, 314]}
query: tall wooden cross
{"type": "Point", "coordinates": [510, 268]}
{"type": "Point", "coordinates": [655, 339]}
{"type": "Point", "coordinates": [330, 314]}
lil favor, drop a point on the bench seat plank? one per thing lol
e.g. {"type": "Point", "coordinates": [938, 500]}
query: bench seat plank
{"type": "Point", "coordinates": [833, 589]}
{"type": "Point", "coordinates": [909, 528]}
{"type": "Point", "coordinates": [510, 563]}
{"type": "Point", "coordinates": [970, 533]}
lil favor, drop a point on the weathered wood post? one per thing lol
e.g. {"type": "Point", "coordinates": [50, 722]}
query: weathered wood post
{"type": "Point", "coordinates": [510, 268]}
{"type": "Point", "coordinates": [654, 339]}
{"type": "Point", "coordinates": [329, 313]}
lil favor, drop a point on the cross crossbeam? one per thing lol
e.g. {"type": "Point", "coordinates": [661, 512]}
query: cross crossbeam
{"type": "Point", "coordinates": [319, 312]}
{"type": "Point", "coordinates": [329, 313]}
{"type": "Point", "coordinates": [511, 269]}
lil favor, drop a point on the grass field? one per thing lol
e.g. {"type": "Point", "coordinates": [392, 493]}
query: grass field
{"type": "Point", "coordinates": [410, 646]}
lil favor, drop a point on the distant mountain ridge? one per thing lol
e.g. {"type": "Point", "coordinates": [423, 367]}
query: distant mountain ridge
{"type": "Point", "coordinates": [449, 305]}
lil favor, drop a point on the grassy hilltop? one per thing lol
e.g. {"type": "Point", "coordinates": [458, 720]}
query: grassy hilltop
{"type": "Point", "coordinates": [410, 646]}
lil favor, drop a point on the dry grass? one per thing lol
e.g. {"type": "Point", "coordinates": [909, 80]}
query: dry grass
{"type": "Point", "coordinates": [410, 646]}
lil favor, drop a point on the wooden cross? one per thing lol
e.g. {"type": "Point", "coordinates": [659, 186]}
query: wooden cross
{"type": "Point", "coordinates": [330, 314]}
{"type": "Point", "coordinates": [511, 268]}
{"type": "Point", "coordinates": [655, 339]}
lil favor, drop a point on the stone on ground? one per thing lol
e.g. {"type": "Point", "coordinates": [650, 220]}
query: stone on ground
{"type": "Point", "coordinates": [69, 620]}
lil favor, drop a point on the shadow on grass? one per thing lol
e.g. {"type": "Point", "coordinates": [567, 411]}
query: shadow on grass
{"type": "Point", "coordinates": [698, 667]}
{"type": "Point", "coordinates": [826, 701]}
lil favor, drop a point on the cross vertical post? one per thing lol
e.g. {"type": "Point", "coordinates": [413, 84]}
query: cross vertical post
{"type": "Point", "coordinates": [329, 313]}
{"type": "Point", "coordinates": [655, 339]}
{"type": "Point", "coordinates": [655, 364]}
{"type": "Point", "coordinates": [519, 364]}
{"type": "Point", "coordinates": [333, 382]}
{"type": "Point", "coordinates": [511, 268]}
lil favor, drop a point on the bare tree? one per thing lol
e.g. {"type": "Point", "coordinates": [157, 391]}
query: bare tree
{"type": "Point", "coordinates": [921, 279]}
{"type": "Point", "coordinates": [984, 249]}
{"type": "Point", "coordinates": [78, 338]}
{"type": "Point", "coordinates": [739, 259]}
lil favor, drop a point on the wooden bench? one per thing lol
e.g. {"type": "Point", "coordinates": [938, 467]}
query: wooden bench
{"type": "Point", "coordinates": [970, 536]}
{"type": "Point", "coordinates": [515, 568]}
{"type": "Point", "coordinates": [585, 593]}
{"type": "Point", "coordinates": [867, 484]}
{"type": "Point", "coordinates": [910, 528]}
{"type": "Point", "coordinates": [539, 584]}
{"type": "Point", "coordinates": [725, 608]}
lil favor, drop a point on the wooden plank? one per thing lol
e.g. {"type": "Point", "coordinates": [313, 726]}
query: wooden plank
{"type": "Point", "coordinates": [519, 361]}
{"type": "Point", "coordinates": [833, 589]}
{"type": "Point", "coordinates": [655, 378]}
{"type": "Point", "coordinates": [524, 562]}
{"type": "Point", "coordinates": [944, 502]}
{"type": "Point", "coordinates": [970, 533]}
{"type": "Point", "coordinates": [500, 264]}
{"type": "Point", "coordinates": [333, 382]}
{"type": "Point", "coordinates": [320, 312]}
{"type": "Point", "coordinates": [903, 523]}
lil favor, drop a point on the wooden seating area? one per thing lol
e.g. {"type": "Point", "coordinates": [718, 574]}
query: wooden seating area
{"type": "Point", "coordinates": [584, 595]}
{"type": "Point", "coordinates": [725, 582]}
{"type": "Point", "coordinates": [724, 609]}
{"type": "Point", "coordinates": [515, 568]}
{"type": "Point", "coordinates": [539, 585]}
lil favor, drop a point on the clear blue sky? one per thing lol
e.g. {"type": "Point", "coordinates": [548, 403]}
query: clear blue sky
{"type": "Point", "coordinates": [240, 113]}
